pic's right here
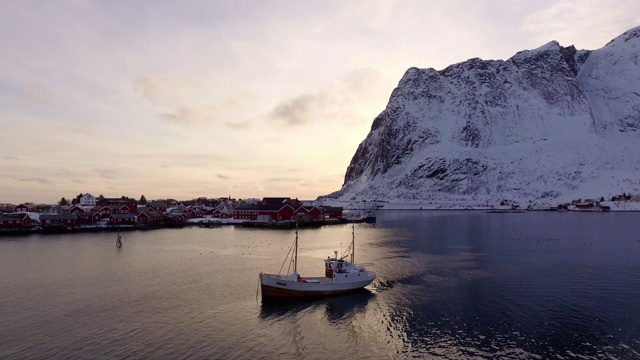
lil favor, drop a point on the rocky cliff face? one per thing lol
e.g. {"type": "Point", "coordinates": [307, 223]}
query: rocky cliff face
{"type": "Point", "coordinates": [550, 123]}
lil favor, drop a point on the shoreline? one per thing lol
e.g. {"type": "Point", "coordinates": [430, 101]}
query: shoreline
{"type": "Point", "coordinates": [201, 222]}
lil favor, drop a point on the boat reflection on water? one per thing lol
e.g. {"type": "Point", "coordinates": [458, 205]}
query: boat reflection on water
{"type": "Point", "coordinates": [347, 306]}
{"type": "Point", "coordinates": [339, 308]}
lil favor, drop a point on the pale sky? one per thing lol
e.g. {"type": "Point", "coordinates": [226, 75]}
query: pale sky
{"type": "Point", "coordinates": [184, 99]}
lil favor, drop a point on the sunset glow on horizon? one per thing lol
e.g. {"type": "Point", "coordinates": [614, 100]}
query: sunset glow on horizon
{"type": "Point", "coordinates": [234, 98]}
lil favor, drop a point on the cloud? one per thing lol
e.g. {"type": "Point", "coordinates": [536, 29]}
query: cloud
{"type": "Point", "coordinates": [299, 110]}
{"type": "Point", "coordinates": [165, 90]}
{"type": "Point", "coordinates": [149, 87]}
{"type": "Point", "coordinates": [330, 104]}
{"type": "Point", "coordinates": [190, 100]}
{"type": "Point", "coordinates": [282, 180]}
{"type": "Point", "coordinates": [30, 179]}
{"type": "Point", "coordinates": [106, 173]}
{"type": "Point", "coordinates": [187, 116]}
{"type": "Point", "coordinates": [197, 115]}
{"type": "Point", "coordinates": [241, 125]}
{"type": "Point", "coordinates": [69, 173]}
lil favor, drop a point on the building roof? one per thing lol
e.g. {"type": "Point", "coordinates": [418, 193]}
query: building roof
{"type": "Point", "coordinates": [18, 215]}
{"type": "Point", "coordinates": [118, 200]}
{"type": "Point", "coordinates": [310, 207]}
{"type": "Point", "coordinates": [275, 200]}
{"type": "Point", "coordinates": [123, 216]}
{"type": "Point", "coordinates": [58, 217]}
{"type": "Point", "coordinates": [331, 208]}
{"type": "Point", "coordinates": [260, 207]}
{"type": "Point", "coordinates": [27, 204]}
{"type": "Point", "coordinates": [152, 214]}
{"type": "Point", "coordinates": [86, 213]}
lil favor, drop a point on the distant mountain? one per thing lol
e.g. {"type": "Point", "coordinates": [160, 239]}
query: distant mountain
{"type": "Point", "coordinates": [550, 124]}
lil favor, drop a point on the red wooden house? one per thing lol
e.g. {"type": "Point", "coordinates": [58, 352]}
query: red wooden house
{"type": "Point", "coordinates": [131, 204]}
{"type": "Point", "coordinates": [309, 213]}
{"type": "Point", "coordinates": [65, 221]}
{"type": "Point", "coordinates": [179, 211]}
{"type": "Point", "coordinates": [331, 212]}
{"type": "Point", "coordinates": [174, 219]}
{"type": "Point", "coordinates": [278, 212]}
{"type": "Point", "coordinates": [302, 213]}
{"type": "Point", "coordinates": [87, 217]}
{"type": "Point", "coordinates": [157, 206]}
{"type": "Point", "coordinates": [215, 213]}
{"type": "Point", "coordinates": [26, 207]}
{"type": "Point", "coordinates": [198, 213]}
{"type": "Point", "coordinates": [212, 212]}
{"type": "Point", "coordinates": [295, 203]}
{"type": "Point", "coordinates": [121, 209]}
{"type": "Point", "coordinates": [122, 219]}
{"type": "Point", "coordinates": [585, 206]}
{"type": "Point", "coordinates": [151, 218]}
{"type": "Point", "coordinates": [74, 209]}
{"type": "Point", "coordinates": [14, 221]}
{"type": "Point", "coordinates": [246, 212]}
{"type": "Point", "coordinates": [104, 211]}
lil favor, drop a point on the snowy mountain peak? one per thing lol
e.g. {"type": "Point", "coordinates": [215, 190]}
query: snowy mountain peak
{"type": "Point", "coordinates": [631, 34]}
{"type": "Point", "coordinates": [550, 46]}
{"type": "Point", "coordinates": [552, 123]}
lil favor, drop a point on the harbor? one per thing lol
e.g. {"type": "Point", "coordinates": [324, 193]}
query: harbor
{"type": "Point", "coordinates": [450, 284]}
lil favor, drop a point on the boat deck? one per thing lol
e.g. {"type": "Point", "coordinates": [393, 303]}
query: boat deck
{"type": "Point", "coordinates": [316, 280]}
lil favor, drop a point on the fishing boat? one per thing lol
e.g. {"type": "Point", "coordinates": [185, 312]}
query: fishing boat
{"type": "Point", "coordinates": [341, 276]}
{"type": "Point", "coordinates": [370, 217]}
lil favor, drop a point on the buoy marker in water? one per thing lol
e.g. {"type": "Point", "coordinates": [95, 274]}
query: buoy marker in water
{"type": "Point", "coordinates": [119, 240]}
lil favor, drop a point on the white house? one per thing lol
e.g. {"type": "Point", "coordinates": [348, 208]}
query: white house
{"type": "Point", "coordinates": [87, 200]}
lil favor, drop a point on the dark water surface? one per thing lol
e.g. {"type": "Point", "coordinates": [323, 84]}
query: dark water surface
{"type": "Point", "coordinates": [532, 285]}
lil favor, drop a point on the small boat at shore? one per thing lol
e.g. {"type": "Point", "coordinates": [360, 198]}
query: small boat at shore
{"type": "Point", "coordinates": [210, 223]}
{"type": "Point", "coordinates": [369, 217]}
{"type": "Point", "coordinates": [341, 276]}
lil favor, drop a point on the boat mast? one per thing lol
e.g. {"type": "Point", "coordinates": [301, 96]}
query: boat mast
{"type": "Point", "coordinates": [295, 261]}
{"type": "Point", "coordinates": [353, 242]}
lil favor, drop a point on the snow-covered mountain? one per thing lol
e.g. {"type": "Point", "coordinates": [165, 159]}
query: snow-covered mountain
{"type": "Point", "coordinates": [550, 124]}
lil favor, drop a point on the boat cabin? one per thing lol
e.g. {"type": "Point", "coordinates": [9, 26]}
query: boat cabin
{"type": "Point", "coordinates": [335, 265]}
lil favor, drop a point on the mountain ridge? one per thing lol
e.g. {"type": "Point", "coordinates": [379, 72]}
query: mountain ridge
{"type": "Point", "coordinates": [549, 124]}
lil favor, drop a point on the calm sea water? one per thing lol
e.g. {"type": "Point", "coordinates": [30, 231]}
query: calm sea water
{"type": "Point", "coordinates": [451, 285]}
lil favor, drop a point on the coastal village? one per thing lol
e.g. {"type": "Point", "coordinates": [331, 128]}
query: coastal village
{"type": "Point", "coordinates": [87, 212]}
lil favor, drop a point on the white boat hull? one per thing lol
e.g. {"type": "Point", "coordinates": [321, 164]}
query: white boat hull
{"type": "Point", "coordinates": [283, 287]}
